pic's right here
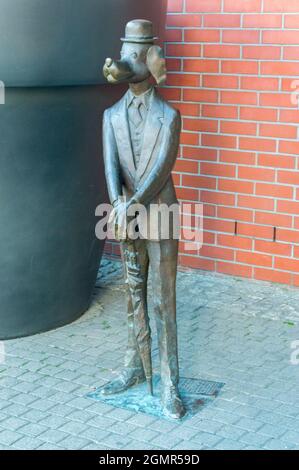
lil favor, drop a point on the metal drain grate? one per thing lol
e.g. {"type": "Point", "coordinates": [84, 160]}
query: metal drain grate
{"type": "Point", "coordinates": [200, 387]}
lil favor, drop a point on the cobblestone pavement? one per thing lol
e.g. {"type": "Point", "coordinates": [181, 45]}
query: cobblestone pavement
{"type": "Point", "coordinates": [235, 331]}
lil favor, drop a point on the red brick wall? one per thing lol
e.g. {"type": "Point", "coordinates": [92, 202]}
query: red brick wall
{"type": "Point", "coordinates": [232, 65]}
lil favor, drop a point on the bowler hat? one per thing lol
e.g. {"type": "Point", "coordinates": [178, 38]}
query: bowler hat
{"type": "Point", "coordinates": [139, 31]}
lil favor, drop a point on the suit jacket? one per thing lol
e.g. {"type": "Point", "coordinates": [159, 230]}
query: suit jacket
{"type": "Point", "coordinates": [151, 182]}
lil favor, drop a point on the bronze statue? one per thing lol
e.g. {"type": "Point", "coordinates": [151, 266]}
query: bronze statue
{"type": "Point", "coordinates": [141, 138]}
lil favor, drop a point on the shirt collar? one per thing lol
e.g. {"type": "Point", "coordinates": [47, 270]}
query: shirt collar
{"type": "Point", "coordinates": [144, 98]}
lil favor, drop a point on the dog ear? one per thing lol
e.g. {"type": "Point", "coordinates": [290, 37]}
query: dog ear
{"type": "Point", "coordinates": [156, 64]}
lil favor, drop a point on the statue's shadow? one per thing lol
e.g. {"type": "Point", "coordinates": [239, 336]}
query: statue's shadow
{"type": "Point", "coordinates": [195, 394]}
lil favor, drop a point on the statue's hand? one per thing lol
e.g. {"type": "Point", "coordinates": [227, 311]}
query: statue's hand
{"type": "Point", "coordinates": [118, 218]}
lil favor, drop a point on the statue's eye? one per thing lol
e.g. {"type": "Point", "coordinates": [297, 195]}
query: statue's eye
{"type": "Point", "coordinates": [134, 55]}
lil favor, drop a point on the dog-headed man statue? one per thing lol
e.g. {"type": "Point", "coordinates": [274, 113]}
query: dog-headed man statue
{"type": "Point", "coordinates": [141, 138]}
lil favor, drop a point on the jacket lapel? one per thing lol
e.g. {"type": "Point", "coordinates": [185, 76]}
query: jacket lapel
{"type": "Point", "coordinates": [122, 135]}
{"type": "Point", "coordinates": [151, 131]}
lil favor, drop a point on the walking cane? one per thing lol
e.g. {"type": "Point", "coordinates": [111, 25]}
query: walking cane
{"type": "Point", "coordinates": [141, 323]}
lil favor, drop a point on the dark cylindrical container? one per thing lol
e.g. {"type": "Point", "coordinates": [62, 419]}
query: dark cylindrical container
{"type": "Point", "coordinates": [51, 169]}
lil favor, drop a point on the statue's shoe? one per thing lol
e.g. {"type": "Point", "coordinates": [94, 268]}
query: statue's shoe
{"type": "Point", "coordinates": [125, 380]}
{"type": "Point", "coordinates": [172, 404]}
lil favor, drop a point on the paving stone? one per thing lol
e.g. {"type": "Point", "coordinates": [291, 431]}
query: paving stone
{"type": "Point", "coordinates": [74, 443]}
{"type": "Point", "coordinates": [12, 423]}
{"type": "Point", "coordinates": [73, 427]}
{"type": "Point", "coordinates": [230, 330]}
{"type": "Point", "coordinates": [32, 429]}
{"type": "Point", "coordinates": [54, 436]}
{"type": "Point", "coordinates": [28, 443]}
{"type": "Point", "coordinates": [9, 437]}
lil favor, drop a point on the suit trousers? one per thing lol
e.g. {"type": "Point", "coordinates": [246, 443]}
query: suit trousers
{"type": "Point", "coordinates": [161, 257]}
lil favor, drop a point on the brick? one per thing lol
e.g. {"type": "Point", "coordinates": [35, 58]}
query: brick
{"type": "Point", "coordinates": [255, 231]}
{"type": "Point", "coordinates": [217, 198]}
{"type": "Point", "coordinates": [256, 202]}
{"type": "Point", "coordinates": [289, 115]}
{"type": "Point", "coordinates": [176, 179]}
{"type": "Point", "coordinates": [258, 114]}
{"type": "Point", "coordinates": [189, 138]}
{"type": "Point", "coordinates": [187, 109]}
{"type": "Point", "coordinates": [173, 35]}
{"type": "Point", "coordinates": [235, 186]}
{"type": "Point", "coordinates": [172, 94]}
{"type": "Point", "coordinates": [234, 269]}
{"type": "Point", "coordinates": [186, 166]}
{"type": "Point", "coordinates": [280, 37]}
{"type": "Point", "coordinates": [291, 85]}
{"type": "Point", "coordinates": [202, 35]}
{"type": "Point", "coordinates": [289, 207]}
{"type": "Point", "coordinates": [235, 242]}
{"type": "Point", "coordinates": [199, 182]}
{"type": "Point", "coordinates": [290, 236]}
{"type": "Point", "coordinates": [250, 6]}
{"type": "Point", "coordinates": [289, 147]}
{"type": "Point", "coordinates": [173, 64]}
{"type": "Point", "coordinates": [256, 259]}
{"type": "Point", "coordinates": [201, 65]}
{"type": "Point", "coordinates": [272, 276]}
{"type": "Point", "coordinates": [203, 125]}
{"type": "Point", "coordinates": [261, 52]}
{"type": "Point", "coordinates": [180, 79]}
{"type": "Point", "coordinates": [250, 143]}
{"type": "Point", "coordinates": [274, 190]}
{"type": "Point", "coordinates": [217, 169]}
{"type": "Point", "coordinates": [217, 252]}
{"type": "Point", "coordinates": [289, 177]}
{"type": "Point", "coordinates": [205, 96]}
{"type": "Point", "coordinates": [222, 51]}
{"type": "Point", "coordinates": [273, 247]}
{"type": "Point", "coordinates": [239, 67]}
{"type": "Point", "coordinates": [197, 262]}
{"type": "Point", "coordinates": [240, 36]}
{"type": "Point", "coordinates": [222, 21]}
{"type": "Point", "coordinates": [269, 218]}
{"type": "Point", "coordinates": [291, 53]}
{"type": "Point", "coordinates": [209, 140]}
{"type": "Point", "coordinates": [279, 131]}
{"type": "Point", "coordinates": [282, 7]}
{"type": "Point", "coordinates": [211, 110]}
{"type": "Point", "coordinates": [262, 21]}
{"type": "Point", "coordinates": [244, 158]}
{"type": "Point", "coordinates": [183, 50]}
{"type": "Point", "coordinates": [277, 100]}
{"type": "Point", "coordinates": [187, 194]}
{"type": "Point", "coordinates": [238, 97]}
{"type": "Point", "coordinates": [280, 68]}
{"type": "Point", "coordinates": [235, 214]}
{"type": "Point", "coordinates": [277, 161]}
{"type": "Point", "coordinates": [183, 21]}
{"type": "Point", "coordinates": [237, 127]}
{"type": "Point", "coordinates": [259, 83]}
{"type": "Point", "coordinates": [291, 21]}
{"type": "Point", "coordinates": [204, 6]}
{"type": "Point", "coordinates": [218, 81]}
{"type": "Point", "coordinates": [200, 153]}
{"type": "Point", "coordinates": [209, 210]}
{"type": "Point", "coordinates": [175, 5]}
{"type": "Point", "coordinates": [287, 264]}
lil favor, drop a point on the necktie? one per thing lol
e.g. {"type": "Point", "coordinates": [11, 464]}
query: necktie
{"type": "Point", "coordinates": [135, 112]}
